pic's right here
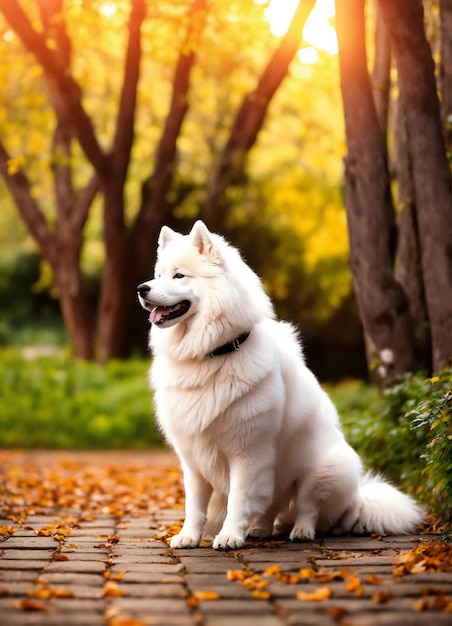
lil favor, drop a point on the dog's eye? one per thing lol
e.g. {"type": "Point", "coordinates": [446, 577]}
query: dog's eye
{"type": "Point", "coordinates": [178, 275]}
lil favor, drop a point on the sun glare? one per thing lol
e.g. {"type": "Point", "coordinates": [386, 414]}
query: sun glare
{"type": "Point", "coordinates": [108, 9]}
{"type": "Point", "coordinates": [317, 32]}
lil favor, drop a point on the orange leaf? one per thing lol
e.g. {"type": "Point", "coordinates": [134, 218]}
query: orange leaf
{"type": "Point", "coordinates": [30, 605]}
{"type": "Point", "coordinates": [113, 589]}
{"type": "Point", "coordinates": [260, 595]}
{"type": "Point", "coordinates": [62, 593]}
{"type": "Point", "coordinates": [307, 573]}
{"type": "Point", "coordinates": [322, 593]}
{"type": "Point", "coordinates": [7, 531]}
{"type": "Point", "coordinates": [373, 579]}
{"type": "Point", "coordinates": [353, 583]}
{"type": "Point", "coordinates": [382, 596]}
{"type": "Point", "coordinates": [272, 570]}
{"type": "Point", "coordinates": [336, 611]}
{"type": "Point", "coordinates": [43, 593]}
{"type": "Point", "coordinates": [205, 595]}
{"type": "Point", "coordinates": [237, 574]}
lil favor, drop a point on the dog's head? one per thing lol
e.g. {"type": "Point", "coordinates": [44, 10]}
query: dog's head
{"type": "Point", "coordinates": [183, 263]}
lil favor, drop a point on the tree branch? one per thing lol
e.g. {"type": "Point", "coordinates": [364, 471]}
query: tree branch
{"type": "Point", "coordinates": [156, 187]}
{"type": "Point", "coordinates": [124, 134]}
{"type": "Point", "coordinates": [65, 87]}
{"type": "Point", "coordinates": [19, 188]}
{"type": "Point", "coordinates": [250, 117]}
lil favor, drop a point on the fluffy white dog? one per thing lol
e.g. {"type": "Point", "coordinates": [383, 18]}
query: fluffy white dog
{"type": "Point", "coordinates": [247, 418]}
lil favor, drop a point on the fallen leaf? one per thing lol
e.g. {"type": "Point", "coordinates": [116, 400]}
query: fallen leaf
{"type": "Point", "coordinates": [112, 588]}
{"type": "Point", "coordinates": [30, 605]}
{"type": "Point", "coordinates": [433, 603]}
{"type": "Point", "coordinates": [260, 595]}
{"type": "Point", "coordinates": [373, 579]}
{"type": "Point", "coordinates": [272, 570]}
{"type": "Point", "coordinates": [336, 611]}
{"type": "Point", "coordinates": [307, 572]}
{"type": "Point", "coordinates": [382, 596]}
{"type": "Point", "coordinates": [237, 574]}
{"type": "Point", "coordinates": [322, 593]}
{"type": "Point", "coordinates": [354, 585]}
{"type": "Point", "coordinates": [7, 531]}
{"type": "Point", "coordinates": [431, 556]}
{"type": "Point", "coordinates": [206, 595]}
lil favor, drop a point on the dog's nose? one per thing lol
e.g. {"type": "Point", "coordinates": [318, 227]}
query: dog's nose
{"type": "Point", "coordinates": [143, 290]}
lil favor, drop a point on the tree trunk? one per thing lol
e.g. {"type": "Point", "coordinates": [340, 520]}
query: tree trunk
{"type": "Point", "coordinates": [381, 73]}
{"type": "Point", "coordinates": [370, 216]}
{"type": "Point", "coordinates": [409, 266]}
{"type": "Point", "coordinates": [431, 174]}
{"type": "Point", "coordinates": [77, 315]}
{"type": "Point", "coordinates": [445, 70]}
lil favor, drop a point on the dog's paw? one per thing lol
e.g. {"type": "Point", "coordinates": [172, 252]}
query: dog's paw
{"type": "Point", "coordinates": [184, 541]}
{"type": "Point", "coordinates": [301, 533]}
{"type": "Point", "coordinates": [228, 542]}
{"type": "Point", "coordinates": [258, 533]}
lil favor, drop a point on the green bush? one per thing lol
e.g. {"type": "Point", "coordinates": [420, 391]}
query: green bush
{"type": "Point", "coordinates": [410, 439]}
{"type": "Point", "coordinates": [59, 402]}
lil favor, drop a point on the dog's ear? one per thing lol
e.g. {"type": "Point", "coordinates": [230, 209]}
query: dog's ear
{"type": "Point", "coordinates": [166, 235]}
{"type": "Point", "coordinates": [202, 239]}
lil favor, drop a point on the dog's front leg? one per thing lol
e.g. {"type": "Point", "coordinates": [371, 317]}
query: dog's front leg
{"type": "Point", "coordinates": [250, 494]}
{"type": "Point", "coordinates": [197, 496]}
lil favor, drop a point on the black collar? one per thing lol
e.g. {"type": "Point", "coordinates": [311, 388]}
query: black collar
{"type": "Point", "coordinates": [231, 346]}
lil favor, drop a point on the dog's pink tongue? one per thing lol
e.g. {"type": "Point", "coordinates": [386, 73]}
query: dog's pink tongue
{"type": "Point", "coordinates": [155, 316]}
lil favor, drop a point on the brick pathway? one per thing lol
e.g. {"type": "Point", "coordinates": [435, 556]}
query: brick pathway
{"type": "Point", "coordinates": [118, 571]}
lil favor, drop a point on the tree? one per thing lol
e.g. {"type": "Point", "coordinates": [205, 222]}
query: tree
{"type": "Point", "coordinates": [104, 333]}
{"type": "Point", "coordinates": [388, 307]}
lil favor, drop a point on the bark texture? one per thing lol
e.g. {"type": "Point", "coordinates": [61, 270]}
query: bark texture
{"type": "Point", "coordinates": [382, 302]}
{"type": "Point", "coordinates": [431, 174]}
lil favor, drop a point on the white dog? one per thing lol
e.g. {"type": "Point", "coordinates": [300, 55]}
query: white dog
{"type": "Point", "coordinates": [247, 418]}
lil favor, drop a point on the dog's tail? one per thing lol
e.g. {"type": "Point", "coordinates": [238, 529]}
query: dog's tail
{"type": "Point", "coordinates": [384, 510]}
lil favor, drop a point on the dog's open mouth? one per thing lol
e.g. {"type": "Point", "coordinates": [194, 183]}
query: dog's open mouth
{"type": "Point", "coordinates": [164, 313]}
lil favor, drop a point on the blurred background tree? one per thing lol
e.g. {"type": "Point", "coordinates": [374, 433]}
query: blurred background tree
{"type": "Point", "coordinates": [119, 116]}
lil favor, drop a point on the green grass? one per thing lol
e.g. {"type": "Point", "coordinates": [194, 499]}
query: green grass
{"type": "Point", "coordinates": [58, 402]}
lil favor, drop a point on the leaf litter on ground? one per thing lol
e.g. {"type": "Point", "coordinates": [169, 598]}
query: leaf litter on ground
{"type": "Point", "coordinates": [76, 491]}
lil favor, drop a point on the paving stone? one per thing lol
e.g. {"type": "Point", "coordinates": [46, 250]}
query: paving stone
{"type": "Point", "coordinates": [72, 578]}
{"type": "Point", "coordinates": [19, 564]}
{"type": "Point", "coordinates": [75, 566]}
{"type": "Point", "coordinates": [150, 559]}
{"type": "Point", "coordinates": [248, 620]}
{"type": "Point", "coordinates": [83, 555]}
{"type": "Point", "coordinates": [155, 568]}
{"type": "Point", "coordinates": [98, 533]}
{"type": "Point", "coordinates": [250, 606]}
{"type": "Point", "coordinates": [16, 554]}
{"type": "Point", "coordinates": [149, 606]}
{"type": "Point", "coordinates": [15, 588]}
{"type": "Point", "coordinates": [31, 543]}
{"type": "Point", "coordinates": [149, 577]}
{"type": "Point", "coordinates": [153, 591]}
{"type": "Point", "coordinates": [213, 565]}
{"type": "Point", "coordinates": [18, 575]}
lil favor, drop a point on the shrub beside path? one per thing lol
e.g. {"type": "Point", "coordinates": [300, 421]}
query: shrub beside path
{"type": "Point", "coordinates": [83, 543]}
